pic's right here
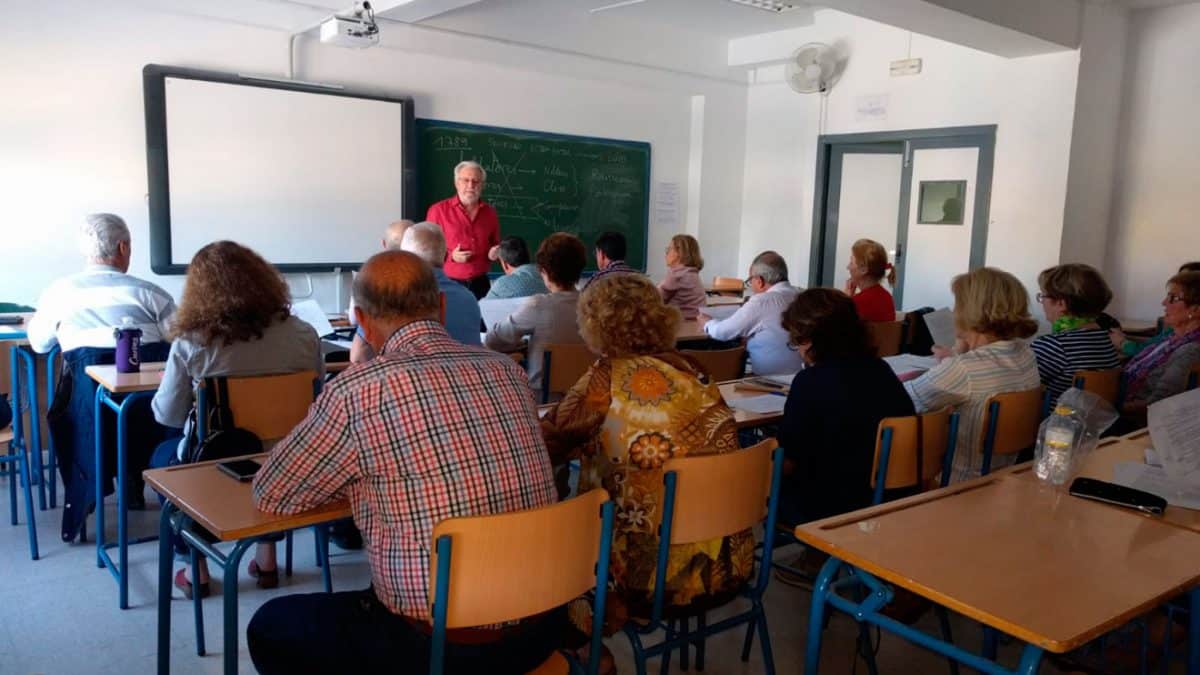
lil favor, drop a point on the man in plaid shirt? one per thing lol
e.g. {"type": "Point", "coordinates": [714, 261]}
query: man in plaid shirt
{"type": "Point", "coordinates": [428, 430]}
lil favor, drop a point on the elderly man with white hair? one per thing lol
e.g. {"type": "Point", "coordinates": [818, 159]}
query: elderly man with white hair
{"type": "Point", "coordinates": [79, 313]}
{"type": "Point", "coordinates": [463, 319]}
{"type": "Point", "coordinates": [471, 228]}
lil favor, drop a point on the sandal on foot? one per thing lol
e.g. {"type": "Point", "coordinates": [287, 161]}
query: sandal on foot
{"type": "Point", "coordinates": [182, 583]}
{"type": "Point", "coordinates": [266, 578]}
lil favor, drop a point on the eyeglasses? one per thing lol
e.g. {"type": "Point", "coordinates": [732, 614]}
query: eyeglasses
{"type": "Point", "coordinates": [746, 283]}
{"type": "Point", "coordinates": [1042, 297]}
{"type": "Point", "coordinates": [1173, 298]}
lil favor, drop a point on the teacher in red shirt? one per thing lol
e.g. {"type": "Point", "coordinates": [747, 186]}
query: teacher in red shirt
{"type": "Point", "coordinates": [471, 228]}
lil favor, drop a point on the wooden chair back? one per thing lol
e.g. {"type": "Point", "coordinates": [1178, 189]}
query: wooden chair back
{"type": "Point", "coordinates": [5, 368]}
{"type": "Point", "coordinates": [887, 335]}
{"type": "Point", "coordinates": [513, 565]}
{"type": "Point", "coordinates": [728, 285]}
{"type": "Point", "coordinates": [1104, 383]}
{"type": "Point", "coordinates": [721, 365]}
{"type": "Point", "coordinates": [562, 366]}
{"type": "Point", "coordinates": [917, 451]}
{"type": "Point", "coordinates": [270, 406]}
{"type": "Point", "coordinates": [1011, 423]}
{"type": "Point", "coordinates": [720, 494]}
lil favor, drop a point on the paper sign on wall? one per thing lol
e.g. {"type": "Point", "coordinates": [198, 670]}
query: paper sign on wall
{"type": "Point", "coordinates": [871, 108]}
{"type": "Point", "coordinates": [666, 205]}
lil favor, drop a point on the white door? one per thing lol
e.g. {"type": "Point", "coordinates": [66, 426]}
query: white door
{"type": "Point", "coordinates": [938, 242]}
{"type": "Point", "coordinates": [868, 206]}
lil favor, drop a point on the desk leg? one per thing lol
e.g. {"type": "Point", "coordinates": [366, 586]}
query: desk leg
{"type": "Point", "coordinates": [17, 442]}
{"type": "Point", "coordinates": [33, 449]}
{"type": "Point", "coordinates": [122, 514]}
{"type": "Point", "coordinates": [51, 455]}
{"type": "Point", "coordinates": [119, 568]}
{"type": "Point", "coordinates": [97, 470]}
{"type": "Point", "coordinates": [229, 583]}
{"type": "Point", "coordinates": [816, 617]}
{"type": "Point", "coordinates": [1193, 651]}
{"type": "Point", "coordinates": [166, 556]}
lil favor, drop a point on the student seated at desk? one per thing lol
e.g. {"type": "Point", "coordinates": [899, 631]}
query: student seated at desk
{"type": "Point", "coordinates": [463, 318]}
{"type": "Point", "coordinates": [610, 257]}
{"type": "Point", "coordinates": [1130, 348]}
{"type": "Point", "coordinates": [78, 313]}
{"type": "Point", "coordinates": [521, 277]}
{"type": "Point", "coordinates": [682, 286]}
{"type": "Point", "coordinates": [550, 318]}
{"type": "Point", "coordinates": [1162, 371]}
{"type": "Point", "coordinates": [833, 409]}
{"type": "Point", "coordinates": [1073, 296]}
{"type": "Point", "coordinates": [640, 404]}
{"type": "Point", "coordinates": [868, 268]}
{"type": "Point", "coordinates": [758, 319]}
{"type": "Point", "coordinates": [233, 321]}
{"type": "Point", "coordinates": [427, 430]}
{"type": "Point", "coordinates": [991, 315]}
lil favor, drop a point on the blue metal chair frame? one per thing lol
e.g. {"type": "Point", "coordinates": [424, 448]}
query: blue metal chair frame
{"type": "Point", "coordinates": [120, 569]}
{"type": "Point", "coordinates": [885, 455]}
{"type": "Point", "coordinates": [679, 634]}
{"type": "Point", "coordinates": [18, 458]}
{"type": "Point", "coordinates": [442, 594]}
{"type": "Point", "coordinates": [43, 474]}
{"type": "Point", "coordinates": [866, 611]}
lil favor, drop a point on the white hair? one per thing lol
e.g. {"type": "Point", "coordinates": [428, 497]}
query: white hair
{"type": "Point", "coordinates": [470, 164]}
{"type": "Point", "coordinates": [101, 234]}
{"type": "Point", "coordinates": [770, 266]}
{"type": "Point", "coordinates": [426, 241]}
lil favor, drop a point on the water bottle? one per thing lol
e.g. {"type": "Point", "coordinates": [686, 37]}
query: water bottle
{"type": "Point", "coordinates": [1056, 443]}
{"type": "Point", "coordinates": [128, 339]}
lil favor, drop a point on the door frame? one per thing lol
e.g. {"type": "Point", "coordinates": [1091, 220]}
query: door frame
{"type": "Point", "coordinates": [831, 148]}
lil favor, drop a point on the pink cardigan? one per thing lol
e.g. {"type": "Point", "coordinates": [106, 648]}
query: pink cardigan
{"type": "Point", "coordinates": [683, 288]}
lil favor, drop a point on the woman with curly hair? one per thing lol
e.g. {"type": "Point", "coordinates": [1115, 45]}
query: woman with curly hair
{"type": "Point", "coordinates": [640, 404]}
{"type": "Point", "coordinates": [991, 317]}
{"type": "Point", "coordinates": [234, 320]}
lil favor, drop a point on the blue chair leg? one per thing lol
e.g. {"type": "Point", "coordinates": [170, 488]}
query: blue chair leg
{"type": "Point", "coordinates": [665, 662]}
{"type": "Point", "coordinates": [287, 553]}
{"type": "Point", "coordinates": [865, 649]}
{"type": "Point", "coordinates": [944, 620]}
{"type": "Point", "coordinates": [11, 469]}
{"type": "Point", "coordinates": [765, 638]}
{"type": "Point", "coordinates": [317, 546]}
{"type": "Point", "coordinates": [685, 647]}
{"type": "Point", "coordinates": [701, 624]}
{"type": "Point", "coordinates": [321, 534]}
{"type": "Point", "coordinates": [749, 641]}
{"type": "Point", "coordinates": [197, 607]}
{"type": "Point", "coordinates": [990, 640]}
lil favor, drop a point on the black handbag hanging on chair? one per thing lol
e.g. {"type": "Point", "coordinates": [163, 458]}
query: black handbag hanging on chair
{"type": "Point", "coordinates": [222, 437]}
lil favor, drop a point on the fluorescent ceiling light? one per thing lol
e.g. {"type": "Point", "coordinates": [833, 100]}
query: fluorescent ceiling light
{"type": "Point", "coordinates": [623, 3]}
{"type": "Point", "coordinates": [776, 6]}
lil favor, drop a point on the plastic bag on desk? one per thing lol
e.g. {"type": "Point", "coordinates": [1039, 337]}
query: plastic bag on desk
{"type": "Point", "coordinates": [1096, 413]}
{"type": "Point", "coordinates": [1069, 433]}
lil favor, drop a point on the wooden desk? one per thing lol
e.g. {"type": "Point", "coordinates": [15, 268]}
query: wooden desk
{"type": "Point", "coordinates": [224, 507]}
{"type": "Point", "coordinates": [118, 392]}
{"type": "Point", "coordinates": [1016, 555]}
{"type": "Point", "coordinates": [720, 300]}
{"type": "Point", "coordinates": [691, 330]}
{"type": "Point", "coordinates": [15, 332]}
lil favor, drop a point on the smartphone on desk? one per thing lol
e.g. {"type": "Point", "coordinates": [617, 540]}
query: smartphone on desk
{"type": "Point", "coordinates": [1118, 495]}
{"type": "Point", "coordinates": [240, 469]}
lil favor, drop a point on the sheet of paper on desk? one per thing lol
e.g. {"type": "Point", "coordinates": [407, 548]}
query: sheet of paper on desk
{"type": "Point", "coordinates": [721, 311]}
{"type": "Point", "coordinates": [496, 310]}
{"type": "Point", "coordinates": [311, 313]}
{"type": "Point", "coordinates": [1175, 429]}
{"type": "Point", "coordinates": [762, 405]}
{"type": "Point", "coordinates": [782, 380]}
{"type": "Point", "coordinates": [908, 363]}
{"type": "Point", "coordinates": [941, 327]}
{"type": "Point", "coordinates": [1153, 479]}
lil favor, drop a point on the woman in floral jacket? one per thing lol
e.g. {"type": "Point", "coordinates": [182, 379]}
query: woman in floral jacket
{"type": "Point", "coordinates": [640, 404]}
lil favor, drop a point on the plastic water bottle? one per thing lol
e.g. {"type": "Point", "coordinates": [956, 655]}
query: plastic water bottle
{"type": "Point", "coordinates": [1056, 443]}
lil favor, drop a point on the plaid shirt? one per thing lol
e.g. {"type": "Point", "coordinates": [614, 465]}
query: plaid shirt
{"type": "Point", "coordinates": [429, 430]}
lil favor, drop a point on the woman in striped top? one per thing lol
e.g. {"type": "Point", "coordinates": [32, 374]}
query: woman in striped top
{"type": "Point", "coordinates": [1072, 296]}
{"type": "Point", "coordinates": [991, 315]}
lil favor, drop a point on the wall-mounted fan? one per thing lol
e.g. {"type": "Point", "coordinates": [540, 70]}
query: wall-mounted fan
{"type": "Point", "coordinates": [811, 69]}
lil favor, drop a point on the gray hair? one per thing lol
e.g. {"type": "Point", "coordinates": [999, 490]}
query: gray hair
{"type": "Point", "coordinates": [101, 234]}
{"type": "Point", "coordinates": [770, 266]}
{"type": "Point", "coordinates": [470, 164]}
{"type": "Point", "coordinates": [426, 240]}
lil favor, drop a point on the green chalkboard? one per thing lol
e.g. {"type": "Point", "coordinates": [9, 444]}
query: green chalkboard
{"type": "Point", "coordinates": [542, 183]}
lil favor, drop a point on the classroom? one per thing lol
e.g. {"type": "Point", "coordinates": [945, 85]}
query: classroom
{"type": "Point", "coordinates": [596, 336]}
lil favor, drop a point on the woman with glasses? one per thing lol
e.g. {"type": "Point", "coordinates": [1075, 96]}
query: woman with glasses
{"type": "Point", "coordinates": [1162, 371]}
{"type": "Point", "coordinates": [682, 286]}
{"type": "Point", "coordinates": [1073, 297]}
{"type": "Point", "coordinates": [1130, 348]}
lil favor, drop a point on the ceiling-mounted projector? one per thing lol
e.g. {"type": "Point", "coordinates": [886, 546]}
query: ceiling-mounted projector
{"type": "Point", "coordinates": [357, 29]}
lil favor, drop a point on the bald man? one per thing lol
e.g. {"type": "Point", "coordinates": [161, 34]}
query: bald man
{"type": "Point", "coordinates": [427, 430]}
{"type": "Point", "coordinates": [393, 236]}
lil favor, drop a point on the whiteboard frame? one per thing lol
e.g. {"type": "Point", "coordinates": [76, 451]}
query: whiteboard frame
{"type": "Point", "coordinates": [154, 78]}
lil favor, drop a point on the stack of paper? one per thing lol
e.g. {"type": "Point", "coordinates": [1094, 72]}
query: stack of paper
{"type": "Point", "coordinates": [1175, 431]}
{"type": "Point", "coordinates": [762, 405]}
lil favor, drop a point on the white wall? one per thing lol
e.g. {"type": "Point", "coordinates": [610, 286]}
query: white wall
{"type": "Point", "coordinates": [73, 135]}
{"type": "Point", "coordinates": [1155, 223]}
{"type": "Point", "coordinates": [1102, 61]}
{"type": "Point", "coordinates": [1031, 100]}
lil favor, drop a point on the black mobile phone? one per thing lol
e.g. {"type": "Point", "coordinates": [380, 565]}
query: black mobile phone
{"type": "Point", "coordinates": [1119, 495]}
{"type": "Point", "coordinates": [240, 469]}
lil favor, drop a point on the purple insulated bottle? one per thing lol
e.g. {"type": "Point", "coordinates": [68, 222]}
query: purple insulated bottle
{"type": "Point", "coordinates": [128, 342]}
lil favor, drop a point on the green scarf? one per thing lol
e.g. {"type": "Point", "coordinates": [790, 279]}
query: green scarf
{"type": "Point", "coordinates": [1066, 322]}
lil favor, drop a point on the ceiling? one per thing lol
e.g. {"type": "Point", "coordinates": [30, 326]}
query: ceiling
{"type": "Point", "coordinates": [1146, 4]}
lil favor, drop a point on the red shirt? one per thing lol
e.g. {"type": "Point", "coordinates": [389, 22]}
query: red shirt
{"type": "Point", "coordinates": [875, 304]}
{"type": "Point", "coordinates": [478, 235]}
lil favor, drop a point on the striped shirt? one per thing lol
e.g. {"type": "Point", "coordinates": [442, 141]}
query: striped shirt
{"type": "Point", "coordinates": [524, 281]}
{"type": "Point", "coordinates": [430, 429]}
{"type": "Point", "coordinates": [1061, 355]}
{"type": "Point", "coordinates": [613, 267]}
{"type": "Point", "coordinates": [81, 310]}
{"type": "Point", "coordinates": [965, 382]}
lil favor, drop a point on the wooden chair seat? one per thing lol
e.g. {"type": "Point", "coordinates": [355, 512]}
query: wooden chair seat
{"type": "Point", "coordinates": [724, 285]}
{"type": "Point", "coordinates": [562, 366]}
{"type": "Point", "coordinates": [1011, 424]}
{"type": "Point", "coordinates": [722, 365]}
{"type": "Point", "coordinates": [1104, 383]}
{"type": "Point", "coordinates": [887, 335]}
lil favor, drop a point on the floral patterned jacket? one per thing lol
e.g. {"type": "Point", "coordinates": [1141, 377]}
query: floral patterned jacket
{"type": "Point", "coordinates": [623, 420]}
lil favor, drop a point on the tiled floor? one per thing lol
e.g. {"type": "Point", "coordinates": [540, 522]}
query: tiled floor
{"type": "Point", "coordinates": [59, 614]}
